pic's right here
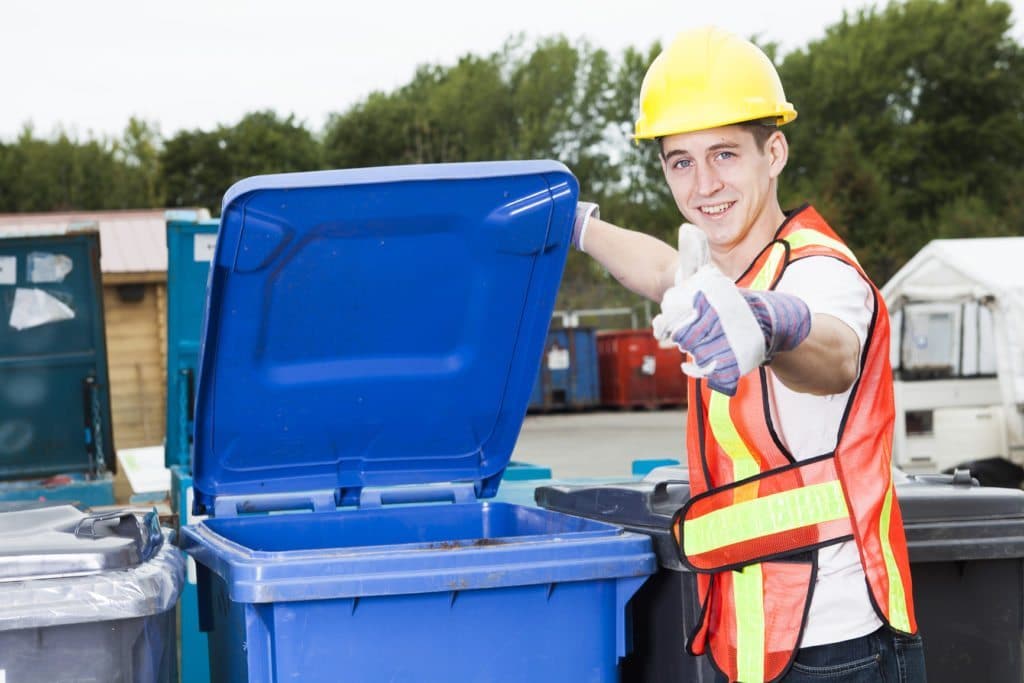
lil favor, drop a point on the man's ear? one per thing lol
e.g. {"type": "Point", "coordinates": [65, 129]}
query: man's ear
{"type": "Point", "coordinates": [777, 151]}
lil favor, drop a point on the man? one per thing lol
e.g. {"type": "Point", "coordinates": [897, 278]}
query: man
{"type": "Point", "coordinates": [793, 525]}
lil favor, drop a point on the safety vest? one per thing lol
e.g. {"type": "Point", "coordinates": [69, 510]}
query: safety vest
{"type": "Point", "coordinates": [757, 517]}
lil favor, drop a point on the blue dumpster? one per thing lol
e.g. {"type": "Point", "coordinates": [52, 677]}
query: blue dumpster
{"type": "Point", "coordinates": [55, 418]}
{"type": "Point", "coordinates": [568, 376]}
{"type": "Point", "coordinates": [193, 647]}
{"type": "Point", "coordinates": [371, 339]}
{"type": "Point", "coordinates": [190, 242]}
{"type": "Point", "coordinates": [189, 250]}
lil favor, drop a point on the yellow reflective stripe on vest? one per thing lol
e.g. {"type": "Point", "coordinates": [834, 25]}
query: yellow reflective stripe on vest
{"type": "Point", "coordinates": [748, 596]}
{"type": "Point", "coordinates": [778, 512]}
{"type": "Point", "coordinates": [898, 616]}
{"type": "Point", "coordinates": [764, 277]}
{"type": "Point", "coordinates": [744, 464]}
{"type": "Point", "coordinates": [808, 237]}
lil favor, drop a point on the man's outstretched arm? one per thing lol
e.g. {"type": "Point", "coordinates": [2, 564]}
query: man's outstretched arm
{"type": "Point", "coordinates": [641, 263]}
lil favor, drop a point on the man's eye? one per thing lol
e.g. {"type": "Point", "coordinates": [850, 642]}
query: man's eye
{"type": "Point", "coordinates": [683, 163]}
{"type": "Point", "coordinates": [725, 155]}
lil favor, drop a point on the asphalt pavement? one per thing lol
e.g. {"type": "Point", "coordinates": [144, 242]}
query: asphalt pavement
{"type": "Point", "coordinates": [600, 444]}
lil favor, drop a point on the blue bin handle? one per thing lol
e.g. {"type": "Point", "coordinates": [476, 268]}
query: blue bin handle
{"type": "Point", "coordinates": [376, 496]}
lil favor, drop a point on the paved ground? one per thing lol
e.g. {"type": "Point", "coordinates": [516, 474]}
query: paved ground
{"type": "Point", "coordinates": [600, 444]}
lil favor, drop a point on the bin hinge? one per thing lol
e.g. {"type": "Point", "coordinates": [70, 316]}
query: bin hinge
{"type": "Point", "coordinates": [376, 496]}
{"type": "Point", "coordinates": [317, 501]}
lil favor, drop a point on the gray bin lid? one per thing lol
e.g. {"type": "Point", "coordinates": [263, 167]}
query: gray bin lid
{"type": "Point", "coordinates": [63, 541]}
{"type": "Point", "coordinates": [946, 517]}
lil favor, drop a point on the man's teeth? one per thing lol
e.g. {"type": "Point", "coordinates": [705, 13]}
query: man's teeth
{"type": "Point", "coordinates": [717, 208]}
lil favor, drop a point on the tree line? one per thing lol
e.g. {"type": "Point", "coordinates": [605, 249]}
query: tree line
{"type": "Point", "coordinates": [910, 127]}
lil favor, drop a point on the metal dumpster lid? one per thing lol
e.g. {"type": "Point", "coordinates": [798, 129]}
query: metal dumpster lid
{"type": "Point", "coordinates": [63, 541]}
{"type": "Point", "coordinates": [376, 327]}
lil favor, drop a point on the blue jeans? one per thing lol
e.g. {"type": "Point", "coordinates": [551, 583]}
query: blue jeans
{"type": "Point", "coordinates": [880, 657]}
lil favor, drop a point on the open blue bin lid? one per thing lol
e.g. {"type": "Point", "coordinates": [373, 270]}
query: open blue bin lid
{"type": "Point", "coordinates": [376, 327]}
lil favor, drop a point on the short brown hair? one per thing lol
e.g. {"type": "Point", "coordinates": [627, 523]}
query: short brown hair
{"type": "Point", "coordinates": [761, 129]}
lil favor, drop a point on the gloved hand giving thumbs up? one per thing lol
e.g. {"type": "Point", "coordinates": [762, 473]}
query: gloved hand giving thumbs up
{"type": "Point", "coordinates": [726, 330]}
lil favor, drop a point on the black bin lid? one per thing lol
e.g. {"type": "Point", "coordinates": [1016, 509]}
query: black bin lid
{"type": "Point", "coordinates": [951, 518]}
{"type": "Point", "coordinates": [946, 517]}
{"type": "Point", "coordinates": [644, 506]}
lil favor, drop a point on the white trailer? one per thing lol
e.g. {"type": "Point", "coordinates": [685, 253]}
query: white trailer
{"type": "Point", "coordinates": [957, 314]}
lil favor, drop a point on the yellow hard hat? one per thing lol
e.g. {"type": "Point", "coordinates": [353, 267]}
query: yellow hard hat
{"type": "Point", "coordinates": [708, 78]}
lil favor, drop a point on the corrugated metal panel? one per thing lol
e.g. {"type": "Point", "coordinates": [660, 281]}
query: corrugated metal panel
{"type": "Point", "coordinates": [130, 241]}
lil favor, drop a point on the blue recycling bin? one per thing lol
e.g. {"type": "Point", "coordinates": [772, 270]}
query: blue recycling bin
{"type": "Point", "coordinates": [56, 440]}
{"type": "Point", "coordinates": [568, 375]}
{"type": "Point", "coordinates": [370, 344]}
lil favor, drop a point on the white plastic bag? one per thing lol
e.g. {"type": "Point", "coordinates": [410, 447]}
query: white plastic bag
{"type": "Point", "coordinates": [34, 307]}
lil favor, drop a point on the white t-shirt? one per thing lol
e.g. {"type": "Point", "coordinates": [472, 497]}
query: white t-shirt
{"type": "Point", "coordinates": [808, 426]}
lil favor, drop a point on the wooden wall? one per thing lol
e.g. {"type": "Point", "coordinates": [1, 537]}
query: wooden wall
{"type": "Point", "coordinates": [137, 361]}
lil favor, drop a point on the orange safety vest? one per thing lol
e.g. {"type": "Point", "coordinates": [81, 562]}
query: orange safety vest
{"type": "Point", "coordinates": [758, 516]}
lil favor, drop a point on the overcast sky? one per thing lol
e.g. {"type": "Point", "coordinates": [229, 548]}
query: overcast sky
{"type": "Point", "coordinates": [91, 64]}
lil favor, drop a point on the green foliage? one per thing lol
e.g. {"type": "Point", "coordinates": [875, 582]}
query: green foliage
{"type": "Point", "coordinates": [64, 173]}
{"type": "Point", "coordinates": [195, 170]}
{"type": "Point", "coordinates": [198, 166]}
{"type": "Point", "coordinates": [910, 117]}
{"type": "Point", "coordinates": [910, 128]}
{"type": "Point", "coordinates": [138, 154]}
{"type": "Point", "coordinates": [57, 174]}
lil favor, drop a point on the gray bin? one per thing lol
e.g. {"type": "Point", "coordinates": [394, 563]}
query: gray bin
{"type": "Point", "coordinates": [87, 598]}
{"type": "Point", "coordinates": [966, 546]}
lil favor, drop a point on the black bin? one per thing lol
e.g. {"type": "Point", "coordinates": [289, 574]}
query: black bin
{"type": "Point", "coordinates": [966, 547]}
{"type": "Point", "coordinates": [665, 610]}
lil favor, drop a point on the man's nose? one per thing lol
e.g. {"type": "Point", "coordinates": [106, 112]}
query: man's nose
{"type": "Point", "coordinates": [708, 180]}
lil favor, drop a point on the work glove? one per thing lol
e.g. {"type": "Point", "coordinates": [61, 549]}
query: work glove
{"type": "Point", "coordinates": [727, 331]}
{"type": "Point", "coordinates": [584, 212]}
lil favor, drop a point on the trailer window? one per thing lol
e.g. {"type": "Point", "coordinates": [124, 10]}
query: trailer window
{"type": "Point", "coordinates": [930, 344]}
{"type": "Point", "coordinates": [919, 422]}
{"type": "Point", "coordinates": [986, 342]}
{"type": "Point", "coordinates": [939, 340]}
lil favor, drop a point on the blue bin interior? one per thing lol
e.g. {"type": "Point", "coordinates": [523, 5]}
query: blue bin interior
{"type": "Point", "coordinates": [444, 526]}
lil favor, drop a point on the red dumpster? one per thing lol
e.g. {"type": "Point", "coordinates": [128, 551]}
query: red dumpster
{"type": "Point", "coordinates": [637, 371]}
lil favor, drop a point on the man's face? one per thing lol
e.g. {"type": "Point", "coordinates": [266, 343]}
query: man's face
{"type": "Point", "coordinates": [723, 181]}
